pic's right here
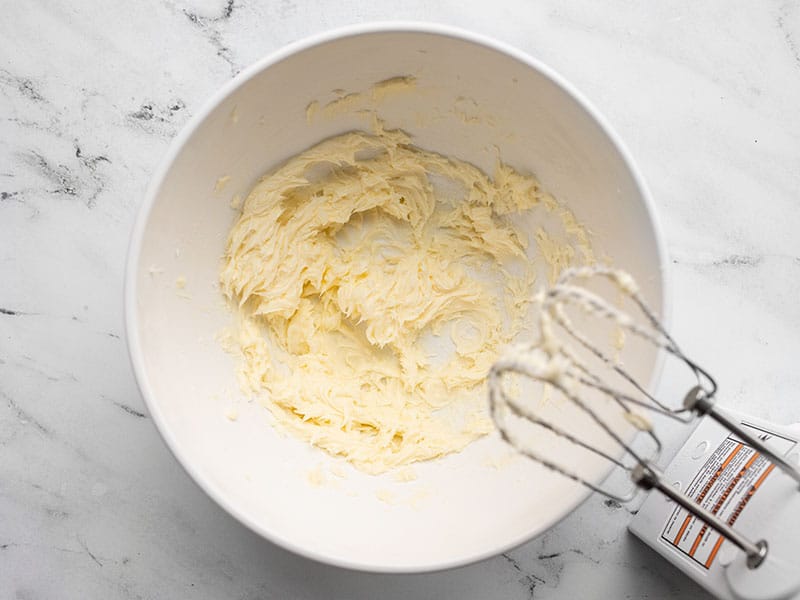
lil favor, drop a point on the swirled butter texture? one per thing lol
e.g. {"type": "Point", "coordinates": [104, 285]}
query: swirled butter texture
{"type": "Point", "coordinates": [374, 284]}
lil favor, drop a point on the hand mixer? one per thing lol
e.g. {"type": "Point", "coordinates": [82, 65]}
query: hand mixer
{"type": "Point", "coordinates": [732, 469]}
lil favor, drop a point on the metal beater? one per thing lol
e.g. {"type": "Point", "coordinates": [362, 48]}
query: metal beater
{"type": "Point", "coordinates": [568, 361]}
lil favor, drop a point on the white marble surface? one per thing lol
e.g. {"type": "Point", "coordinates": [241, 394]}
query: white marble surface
{"type": "Point", "coordinates": [92, 505]}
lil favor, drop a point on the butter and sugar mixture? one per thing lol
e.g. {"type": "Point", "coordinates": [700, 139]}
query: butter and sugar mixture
{"type": "Point", "coordinates": [374, 283]}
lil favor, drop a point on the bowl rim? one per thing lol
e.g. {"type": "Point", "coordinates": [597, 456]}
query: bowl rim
{"type": "Point", "coordinates": [135, 246]}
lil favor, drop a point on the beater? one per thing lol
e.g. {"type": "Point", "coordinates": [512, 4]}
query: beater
{"type": "Point", "coordinates": [740, 452]}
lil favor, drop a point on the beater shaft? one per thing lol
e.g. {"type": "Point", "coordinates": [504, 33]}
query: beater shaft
{"type": "Point", "coordinates": [700, 404]}
{"type": "Point", "coordinates": [648, 477]}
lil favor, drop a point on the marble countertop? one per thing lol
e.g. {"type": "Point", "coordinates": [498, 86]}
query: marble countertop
{"type": "Point", "coordinates": [92, 504]}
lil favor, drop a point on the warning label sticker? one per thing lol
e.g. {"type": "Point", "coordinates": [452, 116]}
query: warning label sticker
{"type": "Point", "coordinates": [724, 485]}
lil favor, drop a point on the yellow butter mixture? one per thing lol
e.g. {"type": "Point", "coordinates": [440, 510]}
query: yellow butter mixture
{"type": "Point", "coordinates": [375, 283]}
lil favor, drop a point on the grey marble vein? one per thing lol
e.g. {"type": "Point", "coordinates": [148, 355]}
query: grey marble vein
{"type": "Point", "coordinates": [92, 505]}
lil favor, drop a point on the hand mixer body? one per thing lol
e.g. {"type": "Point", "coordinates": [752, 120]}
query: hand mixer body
{"type": "Point", "coordinates": [723, 474]}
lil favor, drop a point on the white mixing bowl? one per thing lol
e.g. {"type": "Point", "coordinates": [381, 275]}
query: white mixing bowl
{"type": "Point", "coordinates": [461, 508]}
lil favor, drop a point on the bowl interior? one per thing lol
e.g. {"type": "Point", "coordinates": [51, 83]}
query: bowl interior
{"type": "Point", "coordinates": [470, 97]}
